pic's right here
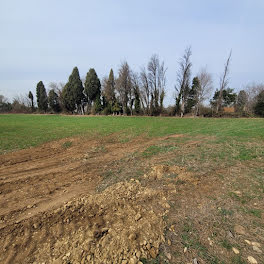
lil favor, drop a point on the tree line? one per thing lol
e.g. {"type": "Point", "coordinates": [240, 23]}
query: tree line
{"type": "Point", "coordinates": [143, 93]}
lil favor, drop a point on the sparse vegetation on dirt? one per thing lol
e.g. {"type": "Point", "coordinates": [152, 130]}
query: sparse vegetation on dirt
{"type": "Point", "coordinates": [131, 190]}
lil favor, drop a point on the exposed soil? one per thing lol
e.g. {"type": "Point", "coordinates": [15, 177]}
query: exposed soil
{"type": "Point", "coordinates": [38, 179]}
{"type": "Point", "coordinates": [51, 210]}
{"type": "Point", "coordinates": [40, 190]}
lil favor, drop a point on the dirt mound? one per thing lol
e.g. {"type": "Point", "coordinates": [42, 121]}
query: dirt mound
{"type": "Point", "coordinates": [163, 171]}
{"type": "Point", "coordinates": [123, 224]}
{"type": "Point", "coordinates": [123, 227]}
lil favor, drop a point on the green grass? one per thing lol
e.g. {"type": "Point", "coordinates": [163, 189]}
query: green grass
{"type": "Point", "coordinates": [226, 244]}
{"type": "Point", "coordinates": [252, 211]}
{"type": "Point", "coordinates": [18, 131]}
{"type": "Point", "coordinates": [238, 260]}
{"type": "Point", "coordinates": [154, 149]}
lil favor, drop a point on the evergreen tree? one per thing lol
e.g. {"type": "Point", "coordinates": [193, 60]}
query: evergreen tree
{"type": "Point", "coordinates": [42, 98]}
{"type": "Point", "coordinates": [72, 92]}
{"type": "Point", "coordinates": [137, 100]}
{"type": "Point", "coordinates": [92, 86]}
{"type": "Point", "coordinates": [30, 96]}
{"type": "Point", "coordinates": [110, 89]}
{"type": "Point", "coordinates": [77, 87]}
{"type": "Point", "coordinates": [259, 107]}
{"type": "Point", "coordinates": [192, 95]}
{"type": "Point", "coordinates": [97, 104]}
{"type": "Point", "coordinates": [68, 98]}
{"type": "Point", "coordinates": [229, 98]}
{"type": "Point", "coordinates": [135, 96]}
{"type": "Point", "coordinates": [54, 101]}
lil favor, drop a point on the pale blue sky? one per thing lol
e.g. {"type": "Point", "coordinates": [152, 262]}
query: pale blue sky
{"type": "Point", "coordinates": [44, 40]}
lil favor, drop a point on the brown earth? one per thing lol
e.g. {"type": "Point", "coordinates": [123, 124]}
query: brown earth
{"type": "Point", "coordinates": [41, 208]}
{"type": "Point", "coordinates": [52, 212]}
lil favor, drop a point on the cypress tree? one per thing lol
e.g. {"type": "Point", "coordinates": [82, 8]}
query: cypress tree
{"type": "Point", "coordinates": [92, 86]}
{"type": "Point", "coordinates": [54, 101]}
{"type": "Point", "coordinates": [77, 86]}
{"type": "Point", "coordinates": [42, 98]}
{"type": "Point", "coordinates": [30, 96]}
{"type": "Point", "coordinates": [68, 98]}
{"type": "Point", "coordinates": [73, 91]}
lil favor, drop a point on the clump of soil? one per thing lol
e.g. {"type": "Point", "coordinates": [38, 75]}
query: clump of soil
{"type": "Point", "coordinates": [162, 171]}
{"type": "Point", "coordinates": [123, 224]}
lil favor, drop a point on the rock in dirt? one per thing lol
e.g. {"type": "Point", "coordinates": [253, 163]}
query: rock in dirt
{"type": "Point", "coordinates": [229, 234]}
{"type": "Point", "coordinates": [148, 246]}
{"type": "Point", "coordinates": [153, 253]}
{"type": "Point", "coordinates": [257, 249]}
{"type": "Point", "coordinates": [137, 217]}
{"type": "Point", "coordinates": [133, 260]}
{"type": "Point", "coordinates": [252, 260]}
{"type": "Point", "coordinates": [235, 250]}
{"type": "Point", "coordinates": [132, 236]}
{"type": "Point", "coordinates": [248, 242]}
{"type": "Point", "coordinates": [195, 261]}
{"type": "Point", "coordinates": [239, 230]}
{"type": "Point", "coordinates": [256, 244]}
{"type": "Point", "coordinates": [168, 256]}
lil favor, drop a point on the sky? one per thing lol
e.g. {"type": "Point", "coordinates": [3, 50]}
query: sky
{"type": "Point", "coordinates": [44, 40]}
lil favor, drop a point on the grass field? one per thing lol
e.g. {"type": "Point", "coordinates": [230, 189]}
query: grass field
{"type": "Point", "coordinates": [23, 131]}
{"type": "Point", "coordinates": [212, 178]}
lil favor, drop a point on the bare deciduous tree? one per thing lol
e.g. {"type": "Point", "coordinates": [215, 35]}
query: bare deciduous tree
{"type": "Point", "coordinates": [183, 81]}
{"type": "Point", "coordinates": [3, 100]}
{"type": "Point", "coordinates": [223, 83]}
{"type": "Point", "coordinates": [252, 91]}
{"type": "Point", "coordinates": [144, 91]}
{"type": "Point", "coordinates": [152, 86]}
{"type": "Point", "coordinates": [157, 82]}
{"type": "Point", "coordinates": [153, 71]}
{"type": "Point", "coordinates": [21, 103]}
{"type": "Point", "coordinates": [205, 88]}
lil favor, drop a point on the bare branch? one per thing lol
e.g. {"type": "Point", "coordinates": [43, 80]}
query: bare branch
{"type": "Point", "coordinates": [224, 80]}
{"type": "Point", "coordinates": [206, 85]}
